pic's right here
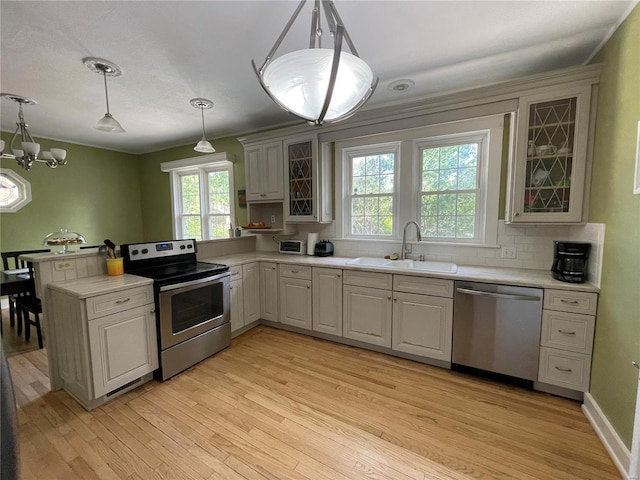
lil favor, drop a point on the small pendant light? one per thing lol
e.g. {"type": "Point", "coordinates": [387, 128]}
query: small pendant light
{"type": "Point", "coordinates": [203, 145]}
{"type": "Point", "coordinates": [106, 69]}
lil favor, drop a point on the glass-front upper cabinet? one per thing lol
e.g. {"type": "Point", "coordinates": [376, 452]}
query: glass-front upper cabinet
{"type": "Point", "coordinates": [307, 181]}
{"type": "Point", "coordinates": [548, 170]}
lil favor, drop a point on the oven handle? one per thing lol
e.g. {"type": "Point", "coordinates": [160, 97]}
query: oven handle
{"type": "Point", "coordinates": [175, 286]}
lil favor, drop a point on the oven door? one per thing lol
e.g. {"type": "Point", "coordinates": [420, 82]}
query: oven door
{"type": "Point", "coordinates": [190, 308]}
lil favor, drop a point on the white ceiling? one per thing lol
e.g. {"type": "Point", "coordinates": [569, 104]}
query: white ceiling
{"type": "Point", "coordinates": [172, 51]}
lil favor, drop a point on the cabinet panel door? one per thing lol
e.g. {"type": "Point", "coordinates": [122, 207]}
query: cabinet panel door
{"type": "Point", "coordinates": [123, 348]}
{"type": "Point", "coordinates": [252, 167]}
{"type": "Point", "coordinates": [367, 315]}
{"type": "Point", "coordinates": [273, 174]}
{"type": "Point", "coordinates": [269, 291]}
{"type": "Point", "coordinates": [422, 325]}
{"type": "Point", "coordinates": [251, 292]}
{"type": "Point", "coordinates": [327, 300]}
{"type": "Point", "coordinates": [295, 302]}
{"type": "Point", "coordinates": [237, 305]}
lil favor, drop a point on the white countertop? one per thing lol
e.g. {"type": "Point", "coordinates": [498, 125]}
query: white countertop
{"type": "Point", "coordinates": [46, 256]}
{"type": "Point", "coordinates": [98, 285]}
{"type": "Point", "coordinates": [510, 276]}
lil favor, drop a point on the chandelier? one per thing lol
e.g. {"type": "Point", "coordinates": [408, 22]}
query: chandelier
{"type": "Point", "coordinates": [318, 84]}
{"type": "Point", "coordinates": [29, 151]}
{"type": "Point", "coordinates": [203, 145]}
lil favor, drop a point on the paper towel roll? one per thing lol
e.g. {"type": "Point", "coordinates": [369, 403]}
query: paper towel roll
{"type": "Point", "coordinates": [312, 239]}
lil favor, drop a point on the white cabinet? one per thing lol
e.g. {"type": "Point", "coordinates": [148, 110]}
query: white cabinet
{"type": "Point", "coordinates": [295, 295]}
{"type": "Point", "coordinates": [105, 343]}
{"type": "Point", "coordinates": [251, 291]}
{"type": "Point", "coordinates": [367, 307]}
{"type": "Point", "coordinates": [327, 300]}
{"type": "Point", "coordinates": [566, 340]}
{"type": "Point", "coordinates": [308, 177]}
{"type": "Point", "coordinates": [423, 324]}
{"type": "Point", "coordinates": [549, 171]}
{"type": "Point", "coordinates": [236, 298]}
{"type": "Point", "coordinates": [123, 348]}
{"type": "Point", "coordinates": [264, 176]}
{"type": "Point", "coordinates": [269, 291]}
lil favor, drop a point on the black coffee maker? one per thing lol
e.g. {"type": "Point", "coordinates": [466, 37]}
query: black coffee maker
{"type": "Point", "coordinates": [570, 261]}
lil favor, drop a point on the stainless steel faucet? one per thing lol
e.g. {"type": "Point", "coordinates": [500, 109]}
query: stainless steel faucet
{"type": "Point", "coordinates": [404, 237]}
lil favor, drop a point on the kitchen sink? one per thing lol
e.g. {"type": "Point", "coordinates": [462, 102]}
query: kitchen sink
{"type": "Point", "coordinates": [414, 265]}
{"type": "Point", "coordinates": [369, 261]}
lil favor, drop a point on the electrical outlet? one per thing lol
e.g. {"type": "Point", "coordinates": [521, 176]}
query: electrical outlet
{"type": "Point", "coordinates": [68, 265]}
{"type": "Point", "coordinates": [273, 219]}
{"type": "Point", "coordinates": [508, 252]}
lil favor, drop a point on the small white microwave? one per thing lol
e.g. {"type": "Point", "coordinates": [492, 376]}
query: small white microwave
{"type": "Point", "coordinates": [294, 247]}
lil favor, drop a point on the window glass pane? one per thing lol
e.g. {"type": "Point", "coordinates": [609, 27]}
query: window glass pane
{"type": "Point", "coordinates": [9, 192]}
{"type": "Point", "coordinates": [191, 227]}
{"type": "Point", "coordinates": [190, 194]}
{"type": "Point", "coordinates": [219, 226]}
{"type": "Point", "coordinates": [219, 198]}
{"type": "Point", "coordinates": [448, 179]}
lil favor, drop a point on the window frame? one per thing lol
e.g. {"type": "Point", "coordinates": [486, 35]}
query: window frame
{"type": "Point", "coordinates": [200, 166]}
{"type": "Point", "coordinates": [407, 190]}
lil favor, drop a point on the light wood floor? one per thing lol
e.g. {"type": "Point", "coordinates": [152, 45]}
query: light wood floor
{"type": "Point", "coordinates": [278, 405]}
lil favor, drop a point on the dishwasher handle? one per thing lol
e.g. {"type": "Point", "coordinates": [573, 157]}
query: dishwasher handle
{"type": "Point", "coordinates": [506, 296]}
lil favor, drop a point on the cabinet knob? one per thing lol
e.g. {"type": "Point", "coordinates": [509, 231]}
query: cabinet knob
{"type": "Point", "coordinates": [308, 286]}
{"type": "Point", "coordinates": [338, 275]}
{"type": "Point", "coordinates": [153, 311]}
{"type": "Point", "coordinates": [389, 297]}
{"type": "Point", "coordinates": [517, 214]}
{"type": "Point", "coordinates": [395, 299]}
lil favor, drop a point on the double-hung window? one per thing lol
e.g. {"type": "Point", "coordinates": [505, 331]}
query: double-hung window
{"type": "Point", "coordinates": [450, 194]}
{"type": "Point", "coordinates": [202, 194]}
{"type": "Point", "coordinates": [372, 190]}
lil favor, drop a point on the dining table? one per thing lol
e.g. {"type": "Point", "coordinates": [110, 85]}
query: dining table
{"type": "Point", "coordinates": [14, 283]}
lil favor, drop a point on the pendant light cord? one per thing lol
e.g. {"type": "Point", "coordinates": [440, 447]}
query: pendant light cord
{"type": "Point", "coordinates": [202, 112]}
{"type": "Point", "coordinates": [106, 93]}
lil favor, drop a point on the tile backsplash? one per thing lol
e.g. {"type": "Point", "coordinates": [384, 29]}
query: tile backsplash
{"type": "Point", "coordinates": [533, 246]}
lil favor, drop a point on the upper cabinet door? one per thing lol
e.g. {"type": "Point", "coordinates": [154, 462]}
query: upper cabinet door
{"type": "Point", "coordinates": [308, 181]}
{"type": "Point", "coordinates": [264, 165]}
{"type": "Point", "coordinates": [549, 169]}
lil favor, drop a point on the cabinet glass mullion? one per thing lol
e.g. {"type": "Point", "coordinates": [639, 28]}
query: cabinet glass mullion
{"type": "Point", "coordinates": [300, 158]}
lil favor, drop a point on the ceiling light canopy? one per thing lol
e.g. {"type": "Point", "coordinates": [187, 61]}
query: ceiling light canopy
{"type": "Point", "coordinates": [106, 69]}
{"type": "Point", "coordinates": [203, 145]}
{"type": "Point", "coordinates": [29, 151]}
{"type": "Point", "coordinates": [318, 84]}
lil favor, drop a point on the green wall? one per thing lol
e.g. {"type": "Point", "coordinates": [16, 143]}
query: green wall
{"type": "Point", "coordinates": [96, 194]}
{"type": "Point", "coordinates": [614, 380]}
{"type": "Point", "coordinates": [155, 189]}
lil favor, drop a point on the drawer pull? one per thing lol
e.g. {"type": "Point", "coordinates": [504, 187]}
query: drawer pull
{"type": "Point", "coordinates": [124, 300]}
{"type": "Point", "coordinates": [235, 274]}
{"type": "Point", "coordinates": [569, 302]}
{"type": "Point", "coordinates": [562, 369]}
{"type": "Point", "coordinates": [294, 271]}
{"type": "Point", "coordinates": [565, 332]}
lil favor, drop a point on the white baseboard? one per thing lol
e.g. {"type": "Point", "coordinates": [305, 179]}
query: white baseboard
{"type": "Point", "coordinates": [614, 445]}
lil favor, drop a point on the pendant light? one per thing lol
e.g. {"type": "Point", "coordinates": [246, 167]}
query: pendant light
{"type": "Point", "coordinates": [318, 84]}
{"type": "Point", "coordinates": [106, 69]}
{"type": "Point", "coordinates": [27, 151]}
{"type": "Point", "coordinates": [203, 145]}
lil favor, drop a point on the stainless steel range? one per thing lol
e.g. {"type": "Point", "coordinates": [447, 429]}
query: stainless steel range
{"type": "Point", "coordinates": [192, 301]}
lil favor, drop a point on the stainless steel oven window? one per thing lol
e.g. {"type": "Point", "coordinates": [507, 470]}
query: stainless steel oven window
{"type": "Point", "coordinates": [192, 308]}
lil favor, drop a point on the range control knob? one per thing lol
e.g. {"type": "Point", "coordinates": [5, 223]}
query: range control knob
{"type": "Point", "coordinates": [135, 252]}
{"type": "Point", "coordinates": [189, 246]}
{"type": "Point", "coordinates": [144, 250]}
{"type": "Point", "coordinates": [182, 247]}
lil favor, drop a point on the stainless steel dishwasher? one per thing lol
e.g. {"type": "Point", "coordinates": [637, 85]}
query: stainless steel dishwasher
{"type": "Point", "coordinates": [496, 328]}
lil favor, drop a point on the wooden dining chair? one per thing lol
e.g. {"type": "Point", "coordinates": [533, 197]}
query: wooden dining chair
{"type": "Point", "coordinates": [10, 261]}
{"type": "Point", "coordinates": [29, 304]}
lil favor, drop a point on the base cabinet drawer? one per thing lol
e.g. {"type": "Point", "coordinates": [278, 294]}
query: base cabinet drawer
{"type": "Point", "coordinates": [564, 369]}
{"type": "Point", "coordinates": [568, 331]}
{"type": "Point", "coordinates": [569, 301]}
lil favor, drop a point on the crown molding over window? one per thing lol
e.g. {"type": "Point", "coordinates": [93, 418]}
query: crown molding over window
{"type": "Point", "coordinates": [198, 161]}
